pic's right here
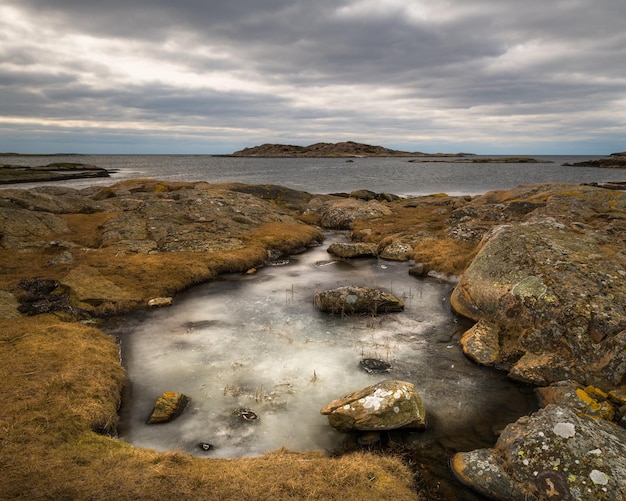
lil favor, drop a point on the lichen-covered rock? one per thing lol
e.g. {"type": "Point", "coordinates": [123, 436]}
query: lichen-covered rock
{"type": "Point", "coordinates": [352, 249]}
{"type": "Point", "coordinates": [481, 343]}
{"type": "Point", "coordinates": [554, 290]}
{"type": "Point", "coordinates": [387, 405]}
{"type": "Point", "coordinates": [555, 453]}
{"type": "Point", "coordinates": [341, 214]}
{"type": "Point", "coordinates": [591, 401]}
{"type": "Point", "coordinates": [355, 300]}
{"type": "Point", "coordinates": [397, 250]}
{"type": "Point", "coordinates": [168, 407]}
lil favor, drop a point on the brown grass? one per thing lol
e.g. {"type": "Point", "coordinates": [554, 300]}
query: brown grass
{"type": "Point", "coordinates": [445, 255]}
{"type": "Point", "coordinates": [61, 386]}
{"type": "Point", "coordinates": [424, 224]}
{"type": "Point", "coordinates": [62, 383]}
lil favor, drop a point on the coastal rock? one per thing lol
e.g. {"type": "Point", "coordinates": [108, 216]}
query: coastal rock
{"type": "Point", "coordinates": [555, 453]}
{"type": "Point", "coordinates": [341, 214]}
{"type": "Point", "coordinates": [554, 291]}
{"type": "Point", "coordinates": [395, 251]}
{"type": "Point", "coordinates": [354, 300]}
{"type": "Point", "coordinates": [352, 249]}
{"type": "Point", "coordinates": [23, 228]}
{"type": "Point", "coordinates": [387, 405]}
{"type": "Point", "coordinates": [590, 401]}
{"type": "Point", "coordinates": [481, 343]}
{"type": "Point", "coordinates": [168, 407]}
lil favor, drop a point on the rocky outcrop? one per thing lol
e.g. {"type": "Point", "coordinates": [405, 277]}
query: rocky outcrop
{"type": "Point", "coordinates": [549, 293]}
{"type": "Point", "coordinates": [387, 405]}
{"type": "Point", "coordinates": [58, 171]}
{"type": "Point", "coordinates": [114, 248]}
{"type": "Point", "coordinates": [354, 300]}
{"type": "Point", "coordinates": [613, 161]}
{"type": "Point", "coordinates": [341, 214]}
{"type": "Point", "coordinates": [343, 149]}
{"type": "Point", "coordinates": [555, 453]}
{"type": "Point", "coordinates": [168, 407]}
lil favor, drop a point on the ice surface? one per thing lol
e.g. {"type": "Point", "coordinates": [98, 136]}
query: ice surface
{"type": "Point", "coordinates": [257, 342]}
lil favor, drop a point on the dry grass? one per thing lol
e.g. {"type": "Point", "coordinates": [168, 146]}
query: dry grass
{"type": "Point", "coordinates": [445, 255]}
{"type": "Point", "coordinates": [423, 223]}
{"type": "Point", "coordinates": [61, 385]}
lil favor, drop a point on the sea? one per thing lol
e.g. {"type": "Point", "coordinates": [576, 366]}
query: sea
{"type": "Point", "coordinates": [396, 175]}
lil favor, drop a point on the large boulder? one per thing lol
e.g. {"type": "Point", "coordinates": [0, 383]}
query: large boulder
{"type": "Point", "coordinates": [555, 453]}
{"type": "Point", "coordinates": [355, 300]}
{"type": "Point", "coordinates": [550, 293]}
{"type": "Point", "coordinates": [387, 405]}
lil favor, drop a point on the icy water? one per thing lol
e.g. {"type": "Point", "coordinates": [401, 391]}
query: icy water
{"type": "Point", "coordinates": [256, 342]}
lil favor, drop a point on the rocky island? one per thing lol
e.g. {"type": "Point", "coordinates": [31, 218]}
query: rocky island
{"type": "Point", "coordinates": [58, 171]}
{"type": "Point", "coordinates": [540, 270]}
{"type": "Point", "coordinates": [613, 161]}
{"type": "Point", "coordinates": [348, 149]}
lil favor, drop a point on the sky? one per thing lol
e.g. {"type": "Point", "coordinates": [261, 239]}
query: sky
{"type": "Point", "coordinates": [215, 76]}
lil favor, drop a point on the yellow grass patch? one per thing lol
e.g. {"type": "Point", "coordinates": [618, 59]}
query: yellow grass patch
{"type": "Point", "coordinates": [61, 385]}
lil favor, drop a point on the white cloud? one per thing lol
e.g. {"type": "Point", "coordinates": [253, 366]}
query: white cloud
{"type": "Point", "coordinates": [396, 70]}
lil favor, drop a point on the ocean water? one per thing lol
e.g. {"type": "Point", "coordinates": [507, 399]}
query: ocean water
{"type": "Point", "coordinates": [331, 175]}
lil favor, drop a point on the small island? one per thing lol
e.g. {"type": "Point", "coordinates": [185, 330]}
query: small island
{"type": "Point", "coordinates": [58, 171]}
{"type": "Point", "coordinates": [613, 161]}
{"type": "Point", "coordinates": [346, 149]}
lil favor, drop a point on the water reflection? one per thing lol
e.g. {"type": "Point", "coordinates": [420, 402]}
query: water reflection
{"type": "Point", "coordinates": [256, 343]}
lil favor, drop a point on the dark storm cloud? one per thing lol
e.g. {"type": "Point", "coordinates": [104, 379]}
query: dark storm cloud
{"type": "Point", "coordinates": [307, 68]}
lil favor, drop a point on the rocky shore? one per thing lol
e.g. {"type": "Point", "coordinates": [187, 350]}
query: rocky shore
{"type": "Point", "coordinates": [541, 271]}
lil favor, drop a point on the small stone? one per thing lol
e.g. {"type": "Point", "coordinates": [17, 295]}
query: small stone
{"type": "Point", "coordinates": [160, 302]}
{"type": "Point", "coordinates": [168, 407]}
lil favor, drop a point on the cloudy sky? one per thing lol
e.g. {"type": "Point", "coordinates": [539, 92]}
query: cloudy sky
{"type": "Point", "coordinates": [214, 76]}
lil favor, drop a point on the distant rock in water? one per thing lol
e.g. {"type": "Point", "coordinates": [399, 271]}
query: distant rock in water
{"type": "Point", "coordinates": [58, 171]}
{"type": "Point", "coordinates": [613, 161]}
{"type": "Point", "coordinates": [343, 149]}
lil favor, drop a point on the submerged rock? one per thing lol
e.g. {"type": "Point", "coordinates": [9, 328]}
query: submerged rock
{"type": "Point", "coordinates": [168, 407]}
{"type": "Point", "coordinates": [387, 405]}
{"type": "Point", "coordinates": [554, 454]}
{"type": "Point", "coordinates": [351, 300]}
